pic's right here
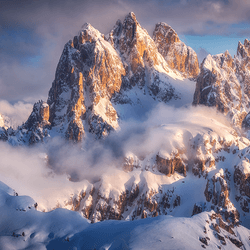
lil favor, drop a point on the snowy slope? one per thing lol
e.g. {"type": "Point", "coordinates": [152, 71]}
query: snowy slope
{"type": "Point", "coordinates": [22, 227]}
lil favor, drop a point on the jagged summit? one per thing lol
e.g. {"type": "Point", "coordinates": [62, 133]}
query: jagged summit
{"type": "Point", "coordinates": [178, 56]}
{"type": "Point", "coordinates": [130, 19]}
{"type": "Point", "coordinates": [167, 31]}
{"type": "Point", "coordinates": [96, 73]}
{"type": "Point", "coordinates": [224, 83]}
{"type": "Point", "coordinates": [88, 32]}
{"type": "Point", "coordinates": [243, 50]}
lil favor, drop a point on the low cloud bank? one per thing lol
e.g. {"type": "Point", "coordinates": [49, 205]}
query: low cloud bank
{"type": "Point", "coordinates": [56, 170]}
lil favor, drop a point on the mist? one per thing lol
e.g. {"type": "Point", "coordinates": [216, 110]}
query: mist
{"type": "Point", "coordinates": [15, 114]}
{"type": "Point", "coordinates": [58, 169]}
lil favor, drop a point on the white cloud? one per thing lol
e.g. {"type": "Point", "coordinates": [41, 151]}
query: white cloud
{"type": "Point", "coordinates": [17, 113]}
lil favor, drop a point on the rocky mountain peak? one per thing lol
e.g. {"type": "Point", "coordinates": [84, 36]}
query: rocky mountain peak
{"type": "Point", "coordinates": [39, 115]}
{"type": "Point", "coordinates": [178, 56]}
{"type": "Point", "coordinates": [130, 21]}
{"type": "Point", "coordinates": [88, 34]}
{"type": "Point", "coordinates": [95, 73]}
{"type": "Point", "coordinates": [243, 50]}
{"type": "Point", "coordinates": [166, 33]}
{"type": "Point", "coordinates": [223, 83]}
{"type": "Point", "coordinates": [141, 60]}
{"type": "Point", "coordinates": [88, 74]}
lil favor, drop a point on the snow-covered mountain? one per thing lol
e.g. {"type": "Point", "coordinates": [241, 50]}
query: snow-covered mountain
{"type": "Point", "coordinates": [224, 83]}
{"type": "Point", "coordinates": [118, 139]}
{"type": "Point", "coordinates": [97, 75]}
{"type": "Point", "coordinates": [64, 229]}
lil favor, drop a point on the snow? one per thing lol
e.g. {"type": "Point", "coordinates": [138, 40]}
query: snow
{"type": "Point", "coordinates": [103, 109]}
{"type": "Point", "coordinates": [162, 232]}
{"type": "Point", "coordinates": [64, 229]}
{"type": "Point", "coordinates": [22, 227]}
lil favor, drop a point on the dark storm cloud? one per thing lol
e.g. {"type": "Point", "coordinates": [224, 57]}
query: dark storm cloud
{"type": "Point", "coordinates": [33, 33]}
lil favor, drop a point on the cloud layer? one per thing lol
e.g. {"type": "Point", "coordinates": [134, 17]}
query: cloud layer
{"type": "Point", "coordinates": [44, 171]}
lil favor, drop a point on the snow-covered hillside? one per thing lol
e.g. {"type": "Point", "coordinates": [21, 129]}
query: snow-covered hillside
{"type": "Point", "coordinates": [22, 227]}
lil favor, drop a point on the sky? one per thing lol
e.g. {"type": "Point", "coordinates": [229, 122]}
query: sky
{"type": "Point", "coordinates": [33, 33]}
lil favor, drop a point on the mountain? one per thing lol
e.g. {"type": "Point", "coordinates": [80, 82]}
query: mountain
{"type": "Point", "coordinates": [96, 74]}
{"type": "Point", "coordinates": [224, 83]}
{"type": "Point", "coordinates": [64, 229]}
{"type": "Point", "coordinates": [178, 56]}
{"type": "Point", "coordinates": [140, 148]}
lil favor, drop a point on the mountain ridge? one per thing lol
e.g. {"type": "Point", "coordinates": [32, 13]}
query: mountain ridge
{"type": "Point", "coordinates": [185, 155]}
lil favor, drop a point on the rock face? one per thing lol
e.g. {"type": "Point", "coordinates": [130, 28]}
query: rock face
{"type": "Point", "coordinates": [37, 124]}
{"type": "Point", "coordinates": [178, 56]}
{"type": "Point", "coordinates": [34, 130]}
{"type": "Point", "coordinates": [88, 74]}
{"type": "Point", "coordinates": [3, 129]}
{"type": "Point", "coordinates": [224, 83]}
{"type": "Point", "coordinates": [242, 180]}
{"type": "Point", "coordinates": [145, 67]}
{"type": "Point", "coordinates": [246, 122]}
{"type": "Point", "coordinates": [95, 73]}
{"type": "Point", "coordinates": [172, 165]}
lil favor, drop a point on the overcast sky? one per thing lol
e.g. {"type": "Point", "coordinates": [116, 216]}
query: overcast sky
{"type": "Point", "coordinates": [33, 33]}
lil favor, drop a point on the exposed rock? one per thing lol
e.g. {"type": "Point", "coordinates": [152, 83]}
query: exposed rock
{"type": "Point", "coordinates": [178, 56]}
{"type": "Point", "coordinates": [242, 182]}
{"type": "Point", "coordinates": [223, 83]}
{"type": "Point", "coordinates": [88, 74]}
{"type": "Point", "coordinates": [246, 122]}
{"type": "Point", "coordinates": [141, 60]}
{"type": "Point", "coordinates": [236, 242]}
{"type": "Point", "coordinates": [198, 208]}
{"type": "Point", "coordinates": [39, 116]}
{"type": "Point", "coordinates": [169, 166]}
{"type": "Point", "coordinates": [95, 73]}
{"type": "Point", "coordinates": [203, 240]}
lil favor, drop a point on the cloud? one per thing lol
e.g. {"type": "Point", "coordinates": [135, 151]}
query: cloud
{"type": "Point", "coordinates": [57, 170]}
{"type": "Point", "coordinates": [17, 113]}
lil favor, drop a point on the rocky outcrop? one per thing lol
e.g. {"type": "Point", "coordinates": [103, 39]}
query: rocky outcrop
{"type": "Point", "coordinates": [242, 181]}
{"type": "Point", "coordinates": [37, 124]}
{"type": "Point", "coordinates": [88, 74]}
{"type": "Point", "coordinates": [34, 130]}
{"type": "Point", "coordinates": [145, 67]}
{"type": "Point", "coordinates": [224, 83]}
{"type": "Point", "coordinates": [246, 122]}
{"type": "Point", "coordinates": [39, 116]}
{"type": "Point", "coordinates": [169, 166]}
{"type": "Point", "coordinates": [178, 56]}
{"type": "Point", "coordinates": [3, 134]}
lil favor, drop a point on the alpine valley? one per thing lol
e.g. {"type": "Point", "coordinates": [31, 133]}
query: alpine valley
{"type": "Point", "coordinates": [138, 146]}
